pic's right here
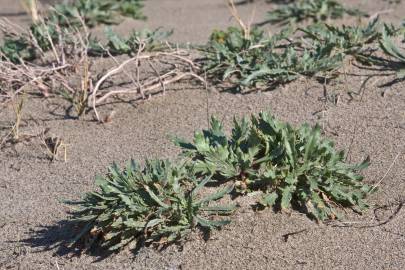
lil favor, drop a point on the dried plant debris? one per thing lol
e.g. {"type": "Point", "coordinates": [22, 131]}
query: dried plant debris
{"type": "Point", "coordinates": [63, 65]}
{"type": "Point", "coordinates": [67, 16]}
{"type": "Point", "coordinates": [293, 167]}
{"type": "Point", "coordinates": [315, 10]}
{"type": "Point", "coordinates": [44, 36]}
{"type": "Point", "coordinates": [31, 6]}
{"type": "Point", "coordinates": [14, 135]}
{"type": "Point", "coordinates": [64, 19]}
{"type": "Point", "coordinates": [53, 145]}
{"type": "Point", "coordinates": [155, 205]}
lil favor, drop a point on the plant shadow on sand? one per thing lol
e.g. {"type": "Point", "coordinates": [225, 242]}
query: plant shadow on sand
{"type": "Point", "coordinates": [58, 238]}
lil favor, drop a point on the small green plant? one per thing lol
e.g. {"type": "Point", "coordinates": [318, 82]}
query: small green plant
{"type": "Point", "coordinates": [118, 45]}
{"type": "Point", "coordinates": [157, 205]}
{"type": "Point", "coordinates": [315, 10]}
{"type": "Point", "coordinates": [17, 48]}
{"type": "Point", "coordinates": [229, 53]}
{"type": "Point", "coordinates": [260, 62]}
{"type": "Point", "coordinates": [25, 46]}
{"type": "Point", "coordinates": [319, 50]}
{"type": "Point", "coordinates": [291, 166]}
{"type": "Point", "coordinates": [94, 12]}
{"type": "Point", "coordinates": [355, 41]}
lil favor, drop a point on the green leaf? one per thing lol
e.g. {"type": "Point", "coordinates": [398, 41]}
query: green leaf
{"type": "Point", "coordinates": [155, 198]}
{"type": "Point", "coordinates": [286, 196]}
{"type": "Point", "coordinates": [217, 195]}
{"type": "Point", "coordinates": [201, 185]}
{"type": "Point", "coordinates": [310, 147]}
{"type": "Point", "coordinates": [211, 223]}
{"type": "Point", "coordinates": [269, 199]}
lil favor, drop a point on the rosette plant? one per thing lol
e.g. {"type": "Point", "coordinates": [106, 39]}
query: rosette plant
{"type": "Point", "coordinates": [291, 166]}
{"type": "Point", "coordinates": [156, 205]}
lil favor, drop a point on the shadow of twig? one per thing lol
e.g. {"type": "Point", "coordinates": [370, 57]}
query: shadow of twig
{"type": "Point", "coordinates": [380, 222]}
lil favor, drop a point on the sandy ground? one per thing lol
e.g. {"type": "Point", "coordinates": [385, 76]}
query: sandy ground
{"type": "Point", "coordinates": [34, 223]}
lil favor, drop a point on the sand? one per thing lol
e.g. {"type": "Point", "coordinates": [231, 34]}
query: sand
{"type": "Point", "coordinates": [34, 223]}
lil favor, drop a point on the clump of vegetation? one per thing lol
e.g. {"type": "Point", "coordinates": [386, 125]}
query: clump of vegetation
{"type": "Point", "coordinates": [16, 48]}
{"type": "Point", "coordinates": [315, 10]}
{"type": "Point", "coordinates": [355, 41]}
{"type": "Point", "coordinates": [156, 205]}
{"type": "Point", "coordinates": [292, 166]}
{"type": "Point", "coordinates": [66, 18]}
{"type": "Point", "coordinates": [118, 45]}
{"type": "Point", "coordinates": [96, 12]}
{"type": "Point", "coordinates": [393, 1]}
{"type": "Point", "coordinates": [255, 61]}
{"type": "Point", "coordinates": [42, 36]}
{"type": "Point", "coordinates": [260, 62]}
{"type": "Point", "coordinates": [59, 60]}
{"type": "Point", "coordinates": [39, 39]}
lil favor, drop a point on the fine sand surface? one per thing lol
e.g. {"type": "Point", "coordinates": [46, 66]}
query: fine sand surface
{"type": "Point", "coordinates": [34, 222]}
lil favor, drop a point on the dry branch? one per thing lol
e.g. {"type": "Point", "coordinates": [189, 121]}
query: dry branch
{"type": "Point", "coordinates": [67, 70]}
{"type": "Point", "coordinates": [181, 67]}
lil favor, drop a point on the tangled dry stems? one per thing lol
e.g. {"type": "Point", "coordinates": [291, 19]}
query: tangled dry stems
{"type": "Point", "coordinates": [67, 69]}
{"type": "Point", "coordinates": [180, 66]}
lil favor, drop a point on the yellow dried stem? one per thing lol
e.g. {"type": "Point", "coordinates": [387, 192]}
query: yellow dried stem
{"type": "Point", "coordinates": [31, 7]}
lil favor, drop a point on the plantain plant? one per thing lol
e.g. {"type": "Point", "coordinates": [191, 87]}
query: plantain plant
{"type": "Point", "coordinates": [315, 10]}
{"type": "Point", "coordinates": [291, 166]}
{"type": "Point", "coordinates": [156, 205]}
{"type": "Point", "coordinates": [260, 62]}
{"type": "Point", "coordinates": [355, 41]}
{"type": "Point", "coordinates": [95, 12]}
{"type": "Point", "coordinates": [319, 50]}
